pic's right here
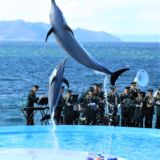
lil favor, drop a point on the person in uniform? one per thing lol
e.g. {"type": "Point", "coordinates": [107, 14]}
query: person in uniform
{"type": "Point", "coordinates": [30, 103]}
{"type": "Point", "coordinates": [150, 109]}
{"type": "Point", "coordinates": [101, 111]}
{"type": "Point", "coordinates": [157, 103]}
{"type": "Point", "coordinates": [140, 106]}
{"type": "Point", "coordinates": [59, 107]}
{"type": "Point", "coordinates": [89, 112]}
{"type": "Point", "coordinates": [68, 109]}
{"type": "Point", "coordinates": [125, 102]}
{"type": "Point", "coordinates": [133, 90]}
{"type": "Point", "coordinates": [96, 91]}
{"type": "Point", "coordinates": [113, 100]}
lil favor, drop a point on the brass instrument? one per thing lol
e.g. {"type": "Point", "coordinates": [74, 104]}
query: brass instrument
{"type": "Point", "coordinates": [151, 100]}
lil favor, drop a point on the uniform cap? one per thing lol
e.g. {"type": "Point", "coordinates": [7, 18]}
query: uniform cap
{"type": "Point", "coordinates": [127, 87]}
{"type": "Point", "coordinates": [35, 86]}
{"type": "Point", "coordinates": [100, 84]}
{"type": "Point", "coordinates": [133, 83]}
{"type": "Point", "coordinates": [96, 84]}
{"type": "Point", "coordinates": [91, 90]}
{"type": "Point", "coordinates": [69, 91]}
{"type": "Point", "coordinates": [112, 88]}
{"type": "Point", "coordinates": [140, 92]}
{"type": "Point", "coordinates": [150, 90]}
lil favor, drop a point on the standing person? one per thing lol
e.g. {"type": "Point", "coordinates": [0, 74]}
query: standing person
{"type": "Point", "coordinates": [133, 90]}
{"type": "Point", "coordinates": [96, 91]}
{"type": "Point", "coordinates": [59, 107]}
{"type": "Point", "coordinates": [89, 112]}
{"type": "Point", "coordinates": [140, 107]}
{"type": "Point", "coordinates": [125, 102]}
{"type": "Point", "coordinates": [68, 109]}
{"type": "Point", "coordinates": [157, 102]}
{"type": "Point", "coordinates": [30, 103]}
{"type": "Point", "coordinates": [150, 109]}
{"type": "Point", "coordinates": [113, 100]}
{"type": "Point", "coordinates": [134, 87]}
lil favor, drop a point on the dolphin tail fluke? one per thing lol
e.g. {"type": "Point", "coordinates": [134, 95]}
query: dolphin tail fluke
{"type": "Point", "coordinates": [116, 74]}
{"type": "Point", "coordinates": [49, 33]}
{"type": "Point", "coordinates": [46, 117]}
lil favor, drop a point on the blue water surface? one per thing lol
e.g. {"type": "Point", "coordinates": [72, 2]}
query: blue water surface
{"type": "Point", "coordinates": [129, 143]}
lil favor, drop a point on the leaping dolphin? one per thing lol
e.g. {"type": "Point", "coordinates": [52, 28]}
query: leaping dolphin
{"type": "Point", "coordinates": [66, 39]}
{"type": "Point", "coordinates": [55, 84]}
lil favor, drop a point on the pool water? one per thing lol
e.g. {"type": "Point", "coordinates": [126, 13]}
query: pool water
{"type": "Point", "coordinates": [128, 143]}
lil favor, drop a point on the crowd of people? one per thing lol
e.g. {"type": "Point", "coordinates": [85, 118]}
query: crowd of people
{"type": "Point", "coordinates": [94, 107]}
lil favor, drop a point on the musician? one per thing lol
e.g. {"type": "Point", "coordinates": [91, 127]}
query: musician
{"type": "Point", "coordinates": [59, 107]}
{"type": "Point", "coordinates": [157, 103]}
{"type": "Point", "coordinates": [68, 109]}
{"type": "Point", "coordinates": [140, 106]}
{"type": "Point", "coordinates": [101, 93]}
{"type": "Point", "coordinates": [133, 87]}
{"type": "Point", "coordinates": [89, 112]}
{"type": "Point", "coordinates": [150, 109]}
{"type": "Point", "coordinates": [125, 102]}
{"type": "Point", "coordinates": [96, 87]}
{"type": "Point", "coordinates": [82, 96]}
{"type": "Point", "coordinates": [30, 103]}
{"type": "Point", "coordinates": [113, 100]}
{"type": "Point", "coordinates": [133, 90]}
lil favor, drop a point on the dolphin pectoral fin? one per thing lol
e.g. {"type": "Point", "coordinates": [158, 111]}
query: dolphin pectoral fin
{"type": "Point", "coordinates": [53, 80]}
{"type": "Point", "coordinates": [49, 33]}
{"type": "Point", "coordinates": [66, 82]}
{"type": "Point", "coordinates": [68, 29]}
{"type": "Point", "coordinates": [116, 74]}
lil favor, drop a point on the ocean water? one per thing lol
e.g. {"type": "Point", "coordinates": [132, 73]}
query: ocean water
{"type": "Point", "coordinates": [23, 64]}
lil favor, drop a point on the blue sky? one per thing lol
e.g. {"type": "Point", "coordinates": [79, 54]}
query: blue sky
{"type": "Point", "coordinates": [127, 17]}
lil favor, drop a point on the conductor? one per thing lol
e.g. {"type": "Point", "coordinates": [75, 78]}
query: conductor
{"type": "Point", "coordinates": [30, 103]}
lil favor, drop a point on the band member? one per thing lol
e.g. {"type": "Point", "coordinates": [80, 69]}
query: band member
{"type": "Point", "coordinates": [157, 103]}
{"type": "Point", "coordinates": [133, 87]}
{"type": "Point", "coordinates": [125, 102]}
{"type": "Point", "coordinates": [101, 93]}
{"type": "Point", "coordinates": [59, 107]}
{"type": "Point", "coordinates": [140, 106]}
{"type": "Point", "coordinates": [113, 100]}
{"type": "Point", "coordinates": [30, 103]}
{"type": "Point", "coordinates": [133, 90]}
{"type": "Point", "coordinates": [150, 109]}
{"type": "Point", "coordinates": [96, 91]}
{"type": "Point", "coordinates": [68, 109]}
{"type": "Point", "coordinates": [89, 112]}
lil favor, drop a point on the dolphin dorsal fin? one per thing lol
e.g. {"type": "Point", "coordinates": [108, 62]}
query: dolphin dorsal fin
{"type": "Point", "coordinates": [49, 33]}
{"type": "Point", "coordinates": [66, 82]}
{"type": "Point", "coordinates": [68, 29]}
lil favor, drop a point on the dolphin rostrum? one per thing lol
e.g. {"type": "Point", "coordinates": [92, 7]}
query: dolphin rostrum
{"type": "Point", "coordinates": [66, 39]}
{"type": "Point", "coordinates": [55, 84]}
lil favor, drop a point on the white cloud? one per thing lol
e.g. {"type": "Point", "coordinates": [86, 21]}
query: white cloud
{"type": "Point", "coordinates": [114, 16]}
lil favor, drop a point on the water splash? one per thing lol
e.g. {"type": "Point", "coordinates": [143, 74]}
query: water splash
{"type": "Point", "coordinates": [55, 148]}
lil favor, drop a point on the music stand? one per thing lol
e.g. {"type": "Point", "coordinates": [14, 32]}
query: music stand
{"type": "Point", "coordinates": [75, 96]}
{"type": "Point", "coordinates": [43, 101]}
{"type": "Point", "coordinates": [135, 94]}
{"type": "Point", "coordinates": [144, 94]}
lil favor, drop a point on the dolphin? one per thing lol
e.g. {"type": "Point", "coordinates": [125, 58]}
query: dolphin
{"type": "Point", "coordinates": [55, 85]}
{"type": "Point", "coordinates": [66, 39]}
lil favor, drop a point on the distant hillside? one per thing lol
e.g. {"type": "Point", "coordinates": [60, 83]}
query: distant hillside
{"type": "Point", "coordinates": [140, 38]}
{"type": "Point", "coordinates": [21, 30]}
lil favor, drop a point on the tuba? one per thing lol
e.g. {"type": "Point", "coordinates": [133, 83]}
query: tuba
{"type": "Point", "coordinates": [142, 78]}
